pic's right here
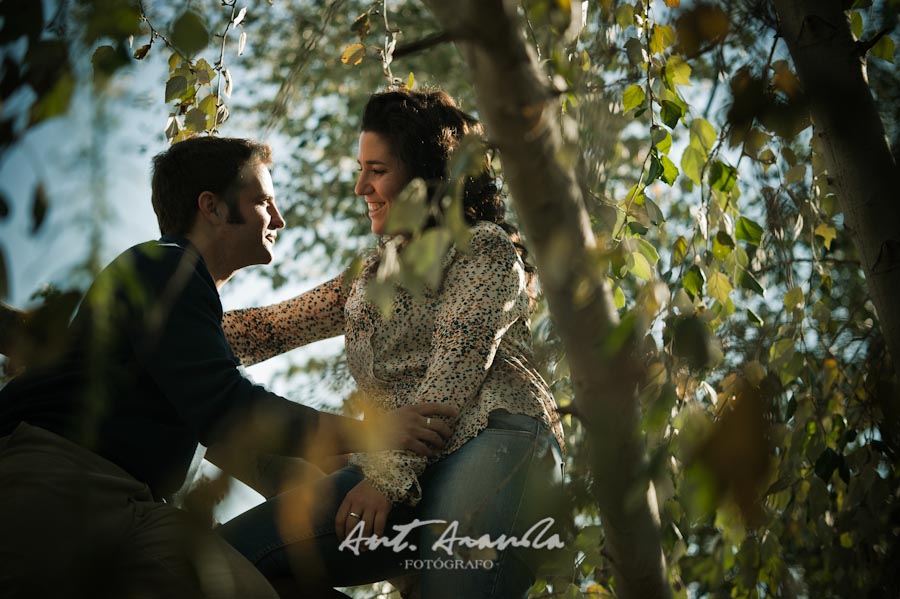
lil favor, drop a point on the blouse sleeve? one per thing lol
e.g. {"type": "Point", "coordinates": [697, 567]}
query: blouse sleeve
{"type": "Point", "coordinates": [483, 294]}
{"type": "Point", "coordinates": [257, 334]}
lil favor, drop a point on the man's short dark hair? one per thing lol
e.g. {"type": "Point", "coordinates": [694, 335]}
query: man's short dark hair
{"type": "Point", "coordinates": [192, 166]}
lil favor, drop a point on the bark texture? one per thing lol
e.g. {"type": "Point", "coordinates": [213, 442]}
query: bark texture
{"type": "Point", "coordinates": [831, 68]}
{"type": "Point", "coordinates": [520, 114]}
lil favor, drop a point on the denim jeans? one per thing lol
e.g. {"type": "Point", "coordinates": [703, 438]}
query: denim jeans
{"type": "Point", "coordinates": [502, 482]}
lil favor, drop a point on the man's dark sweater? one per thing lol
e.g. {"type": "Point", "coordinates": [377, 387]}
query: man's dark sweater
{"type": "Point", "coordinates": [148, 372]}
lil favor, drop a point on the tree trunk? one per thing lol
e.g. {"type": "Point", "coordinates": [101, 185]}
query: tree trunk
{"type": "Point", "coordinates": [832, 70]}
{"type": "Point", "coordinates": [521, 117]}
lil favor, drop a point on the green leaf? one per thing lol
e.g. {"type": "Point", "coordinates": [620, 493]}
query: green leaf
{"type": "Point", "coordinates": [884, 48]}
{"type": "Point", "coordinates": [856, 23]}
{"type": "Point", "coordinates": [692, 162]}
{"type": "Point", "coordinates": [196, 120]}
{"type": "Point", "coordinates": [653, 212]}
{"type": "Point", "coordinates": [827, 233]}
{"type": "Point", "coordinates": [661, 38]}
{"type": "Point", "coordinates": [409, 210]}
{"type": "Point", "coordinates": [106, 60]}
{"type": "Point", "coordinates": [634, 50]}
{"type": "Point", "coordinates": [693, 281]}
{"type": "Point", "coordinates": [670, 113]}
{"type": "Point", "coordinates": [647, 250]}
{"type": "Point", "coordinates": [618, 294]}
{"type": "Point", "coordinates": [662, 139]}
{"type": "Point", "coordinates": [691, 341]}
{"type": "Point", "coordinates": [793, 298]}
{"type": "Point", "coordinates": [633, 97]}
{"type": "Point", "coordinates": [676, 72]}
{"type": "Point", "coordinates": [718, 287]}
{"type": "Point", "coordinates": [655, 170]}
{"type": "Point", "coordinates": [754, 318]}
{"type": "Point", "coordinates": [204, 71]}
{"type": "Point", "coordinates": [669, 170]}
{"type": "Point", "coordinates": [176, 87]}
{"type": "Point", "coordinates": [679, 251]}
{"type": "Point", "coordinates": [749, 231]}
{"type": "Point", "coordinates": [748, 281]}
{"type": "Point", "coordinates": [174, 61]}
{"type": "Point", "coordinates": [209, 106]}
{"type": "Point", "coordinates": [639, 266]}
{"type": "Point", "coordinates": [141, 53]}
{"type": "Point", "coordinates": [703, 135]}
{"type": "Point", "coordinates": [637, 228]}
{"type": "Point", "coordinates": [361, 25]}
{"type": "Point", "coordinates": [722, 177]}
{"type": "Point", "coordinates": [723, 244]}
{"type": "Point", "coordinates": [822, 313]}
{"type": "Point", "coordinates": [110, 19]}
{"type": "Point", "coordinates": [796, 174]}
{"type": "Point", "coordinates": [55, 102]}
{"type": "Point", "coordinates": [189, 33]}
{"type": "Point", "coordinates": [827, 463]}
{"type": "Point", "coordinates": [625, 15]}
{"type": "Point", "coordinates": [425, 254]}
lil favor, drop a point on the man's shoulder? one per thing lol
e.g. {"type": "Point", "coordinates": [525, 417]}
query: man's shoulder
{"type": "Point", "coordinates": [148, 269]}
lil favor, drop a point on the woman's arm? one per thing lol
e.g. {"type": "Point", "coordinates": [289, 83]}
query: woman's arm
{"type": "Point", "coordinates": [257, 334]}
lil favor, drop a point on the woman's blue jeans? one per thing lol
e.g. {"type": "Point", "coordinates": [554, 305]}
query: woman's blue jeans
{"type": "Point", "coordinates": [503, 482]}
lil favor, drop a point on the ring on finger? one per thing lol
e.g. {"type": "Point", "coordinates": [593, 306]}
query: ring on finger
{"type": "Point", "coordinates": [355, 515]}
{"type": "Point", "coordinates": [428, 422]}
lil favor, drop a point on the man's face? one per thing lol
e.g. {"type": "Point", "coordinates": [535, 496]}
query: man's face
{"type": "Point", "coordinates": [250, 241]}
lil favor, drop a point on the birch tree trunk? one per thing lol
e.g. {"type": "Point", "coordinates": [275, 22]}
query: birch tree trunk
{"type": "Point", "coordinates": [831, 68]}
{"type": "Point", "coordinates": [521, 117]}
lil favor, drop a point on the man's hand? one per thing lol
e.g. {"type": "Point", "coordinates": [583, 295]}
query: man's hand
{"type": "Point", "coordinates": [420, 428]}
{"type": "Point", "coordinates": [363, 502]}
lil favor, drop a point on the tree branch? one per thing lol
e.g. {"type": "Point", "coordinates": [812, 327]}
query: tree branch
{"type": "Point", "coordinates": [864, 47]}
{"type": "Point", "coordinates": [429, 41]}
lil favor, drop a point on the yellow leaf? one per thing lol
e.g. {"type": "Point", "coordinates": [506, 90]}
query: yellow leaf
{"type": "Point", "coordinates": [830, 368]}
{"type": "Point", "coordinates": [827, 234]}
{"type": "Point", "coordinates": [353, 54]}
{"type": "Point", "coordinates": [673, 3]}
{"type": "Point", "coordinates": [718, 287]}
{"type": "Point", "coordinates": [411, 81]}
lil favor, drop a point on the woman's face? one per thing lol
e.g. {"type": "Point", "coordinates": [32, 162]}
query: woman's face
{"type": "Point", "coordinates": [381, 178]}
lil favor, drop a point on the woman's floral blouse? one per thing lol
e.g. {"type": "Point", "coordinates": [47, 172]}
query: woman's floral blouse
{"type": "Point", "coordinates": [467, 344]}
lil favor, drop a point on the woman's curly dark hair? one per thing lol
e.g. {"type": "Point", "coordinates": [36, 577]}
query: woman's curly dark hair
{"type": "Point", "coordinates": [423, 128]}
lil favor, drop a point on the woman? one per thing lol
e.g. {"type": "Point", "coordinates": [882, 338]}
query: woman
{"type": "Point", "coordinates": [466, 344]}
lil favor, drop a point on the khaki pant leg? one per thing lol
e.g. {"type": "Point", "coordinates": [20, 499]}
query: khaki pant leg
{"type": "Point", "coordinates": [75, 525]}
{"type": "Point", "coordinates": [170, 555]}
{"type": "Point", "coordinates": [60, 519]}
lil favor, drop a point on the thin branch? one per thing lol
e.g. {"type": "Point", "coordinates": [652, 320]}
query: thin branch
{"type": "Point", "coordinates": [220, 64]}
{"type": "Point", "coordinates": [154, 33]}
{"type": "Point", "coordinates": [864, 47]}
{"type": "Point", "coordinates": [429, 41]}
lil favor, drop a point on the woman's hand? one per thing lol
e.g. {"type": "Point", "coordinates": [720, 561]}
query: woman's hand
{"type": "Point", "coordinates": [363, 502]}
{"type": "Point", "coordinates": [420, 428]}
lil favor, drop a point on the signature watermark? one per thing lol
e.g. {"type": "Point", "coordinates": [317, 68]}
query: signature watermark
{"type": "Point", "coordinates": [536, 537]}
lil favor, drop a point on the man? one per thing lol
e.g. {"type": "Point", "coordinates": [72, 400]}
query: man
{"type": "Point", "coordinates": [92, 444]}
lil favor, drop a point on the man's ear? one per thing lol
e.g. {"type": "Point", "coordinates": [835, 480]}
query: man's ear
{"type": "Point", "coordinates": [211, 208]}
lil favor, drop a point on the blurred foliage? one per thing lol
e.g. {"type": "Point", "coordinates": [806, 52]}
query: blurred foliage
{"type": "Point", "coordinates": [765, 400]}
